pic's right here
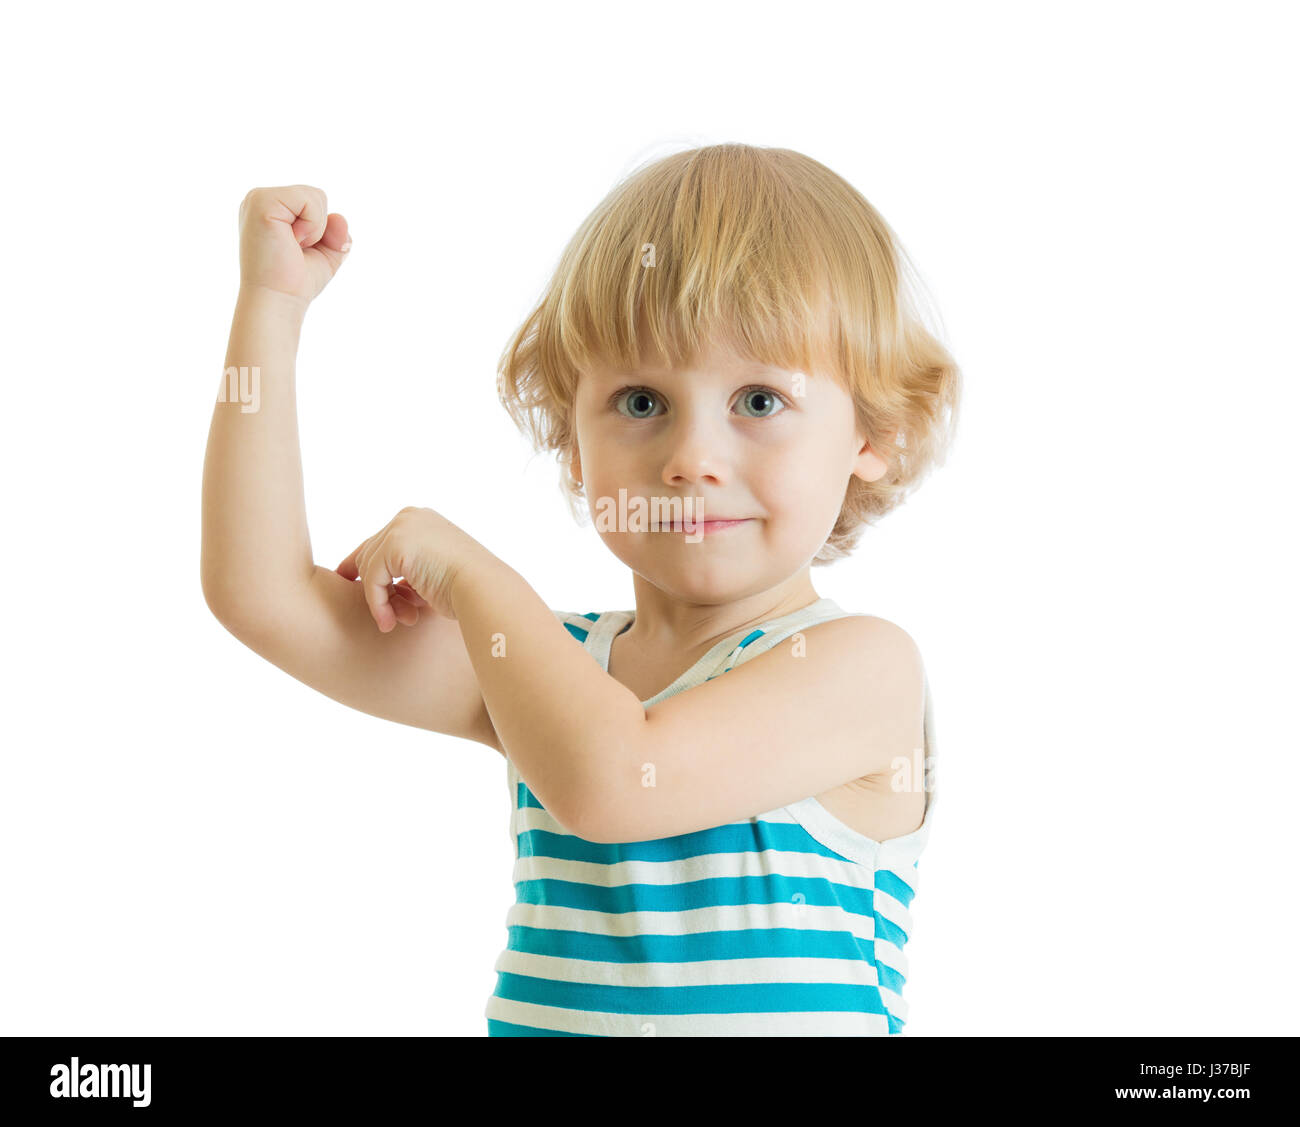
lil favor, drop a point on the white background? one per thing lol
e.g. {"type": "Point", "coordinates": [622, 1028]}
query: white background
{"type": "Point", "coordinates": [1101, 203]}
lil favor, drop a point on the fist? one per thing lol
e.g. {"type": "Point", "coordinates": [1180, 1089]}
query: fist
{"type": "Point", "coordinates": [289, 241]}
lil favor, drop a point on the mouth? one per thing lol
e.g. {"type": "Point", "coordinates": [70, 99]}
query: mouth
{"type": "Point", "coordinates": [716, 524]}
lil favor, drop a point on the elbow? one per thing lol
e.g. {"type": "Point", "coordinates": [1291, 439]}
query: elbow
{"type": "Point", "coordinates": [603, 825]}
{"type": "Point", "coordinates": [223, 603]}
{"type": "Point", "coordinates": [215, 594]}
{"type": "Point", "coordinates": [581, 816]}
{"type": "Point", "coordinates": [604, 804]}
{"type": "Point", "coordinates": [576, 801]}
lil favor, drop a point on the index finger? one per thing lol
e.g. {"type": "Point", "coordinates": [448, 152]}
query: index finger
{"type": "Point", "coordinates": [348, 568]}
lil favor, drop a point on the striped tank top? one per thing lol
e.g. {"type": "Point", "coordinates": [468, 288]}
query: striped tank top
{"type": "Point", "coordinates": [788, 923]}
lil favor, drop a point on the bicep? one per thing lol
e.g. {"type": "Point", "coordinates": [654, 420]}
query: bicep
{"type": "Point", "coordinates": [419, 675]}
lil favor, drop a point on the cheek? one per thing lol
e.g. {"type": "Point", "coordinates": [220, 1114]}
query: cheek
{"type": "Point", "coordinates": [796, 479]}
{"type": "Point", "coordinates": [606, 474]}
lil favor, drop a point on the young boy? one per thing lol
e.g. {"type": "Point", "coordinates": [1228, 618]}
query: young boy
{"type": "Point", "coordinates": [730, 369]}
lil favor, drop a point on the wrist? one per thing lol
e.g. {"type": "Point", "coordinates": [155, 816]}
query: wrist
{"type": "Point", "coordinates": [262, 299]}
{"type": "Point", "coordinates": [480, 573]}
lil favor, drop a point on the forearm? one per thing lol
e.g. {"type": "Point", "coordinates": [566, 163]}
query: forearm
{"type": "Point", "coordinates": [255, 540]}
{"type": "Point", "coordinates": [564, 722]}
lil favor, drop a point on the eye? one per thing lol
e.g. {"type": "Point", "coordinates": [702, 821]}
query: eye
{"type": "Point", "coordinates": [641, 402]}
{"type": "Point", "coordinates": [765, 397]}
{"type": "Point", "coordinates": [637, 396]}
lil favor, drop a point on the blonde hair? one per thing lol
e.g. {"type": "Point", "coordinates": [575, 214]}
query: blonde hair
{"type": "Point", "coordinates": [770, 252]}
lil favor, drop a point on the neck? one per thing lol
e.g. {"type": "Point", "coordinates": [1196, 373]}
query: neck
{"type": "Point", "coordinates": [665, 624]}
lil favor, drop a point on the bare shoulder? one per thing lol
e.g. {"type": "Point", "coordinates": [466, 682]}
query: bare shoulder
{"type": "Point", "coordinates": [883, 672]}
{"type": "Point", "coordinates": [886, 709]}
{"type": "Point", "coordinates": [871, 642]}
{"type": "Point", "coordinates": [860, 652]}
{"type": "Point", "coordinates": [892, 654]}
{"type": "Point", "coordinates": [869, 677]}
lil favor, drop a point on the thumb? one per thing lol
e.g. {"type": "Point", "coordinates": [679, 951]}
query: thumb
{"type": "Point", "coordinates": [333, 243]}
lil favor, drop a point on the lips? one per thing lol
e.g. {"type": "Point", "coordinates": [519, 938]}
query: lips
{"type": "Point", "coordinates": [707, 523]}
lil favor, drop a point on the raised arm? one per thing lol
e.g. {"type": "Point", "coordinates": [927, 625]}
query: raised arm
{"type": "Point", "coordinates": [257, 571]}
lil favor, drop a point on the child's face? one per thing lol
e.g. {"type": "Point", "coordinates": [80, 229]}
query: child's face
{"type": "Point", "coordinates": [747, 441]}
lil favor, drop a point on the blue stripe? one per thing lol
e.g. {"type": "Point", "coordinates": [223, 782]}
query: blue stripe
{"type": "Point", "coordinates": [890, 979]}
{"type": "Point", "coordinates": [695, 947]}
{"type": "Point", "coordinates": [750, 637]}
{"type": "Point", "coordinates": [890, 932]}
{"type": "Point", "coordinates": [711, 892]}
{"type": "Point", "coordinates": [734, 837]}
{"type": "Point", "coordinates": [890, 882]}
{"type": "Point", "coordinates": [729, 998]}
{"type": "Point", "coordinates": [509, 1029]}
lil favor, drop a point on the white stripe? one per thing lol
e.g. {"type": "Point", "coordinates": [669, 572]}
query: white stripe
{"type": "Point", "coordinates": [689, 1025]}
{"type": "Point", "coordinates": [894, 1003]}
{"type": "Point", "coordinates": [892, 910]}
{"type": "Point", "coordinates": [691, 921]}
{"type": "Point", "coordinates": [718, 972]}
{"type": "Point", "coordinates": [745, 863]}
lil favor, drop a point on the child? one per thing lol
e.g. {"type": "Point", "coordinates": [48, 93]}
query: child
{"type": "Point", "coordinates": [731, 371]}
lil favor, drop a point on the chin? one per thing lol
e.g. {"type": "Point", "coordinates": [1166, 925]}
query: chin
{"type": "Point", "coordinates": [717, 583]}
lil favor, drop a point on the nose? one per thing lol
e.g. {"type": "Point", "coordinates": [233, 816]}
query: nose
{"type": "Point", "coordinates": [696, 454]}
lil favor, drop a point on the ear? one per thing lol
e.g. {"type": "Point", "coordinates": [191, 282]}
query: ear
{"type": "Point", "coordinates": [575, 464]}
{"type": "Point", "coordinates": [869, 465]}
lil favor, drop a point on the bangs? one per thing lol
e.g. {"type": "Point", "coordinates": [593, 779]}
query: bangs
{"type": "Point", "coordinates": [713, 247]}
